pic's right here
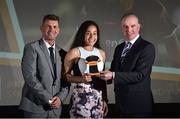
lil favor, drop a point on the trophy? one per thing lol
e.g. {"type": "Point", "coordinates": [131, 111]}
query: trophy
{"type": "Point", "coordinates": [91, 65]}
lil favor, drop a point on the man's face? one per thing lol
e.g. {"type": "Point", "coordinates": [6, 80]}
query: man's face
{"type": "Point", "coordinates": [130, 27]}
{"type": "Point", "coordinates": [50, 29]}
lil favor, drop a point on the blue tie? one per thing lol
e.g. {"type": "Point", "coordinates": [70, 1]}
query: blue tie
{"type": "Point", "coordinates": [125, 51]}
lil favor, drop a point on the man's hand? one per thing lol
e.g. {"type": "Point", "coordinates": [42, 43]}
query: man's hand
{"type": "Point", "coordinates": [106, 75]}
{"type": "Point", "coordinates": [56, 102]}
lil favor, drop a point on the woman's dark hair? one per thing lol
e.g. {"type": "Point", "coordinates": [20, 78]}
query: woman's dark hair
{"type": "Point", "coordinates": [79, 38]}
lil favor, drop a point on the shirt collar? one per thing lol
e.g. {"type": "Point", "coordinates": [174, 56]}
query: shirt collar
{"type": "Point", "coordinates": [47, 44]}
{"type": "Point", "coordinates": [134, 40]}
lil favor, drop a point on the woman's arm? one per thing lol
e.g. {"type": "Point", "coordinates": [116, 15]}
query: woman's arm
{"type": "Point", "coordinates": [69, 61]}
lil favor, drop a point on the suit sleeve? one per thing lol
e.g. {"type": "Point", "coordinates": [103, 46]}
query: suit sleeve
{"type": "Point", "coordinates": [140, 70]}
{"type": "Point", "coordinates": [31, 76]}
{"type": "Point", "coordinates": [65, 86]}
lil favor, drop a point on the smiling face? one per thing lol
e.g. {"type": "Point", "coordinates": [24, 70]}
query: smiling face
{"type": "Point", "coordinates": [50, 29]}
{"type": "Point", "coordinates": [130, 27]}
{"type": "Point", "coordinates": [90, 36]}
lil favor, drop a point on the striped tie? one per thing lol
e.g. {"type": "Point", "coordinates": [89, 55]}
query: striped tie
{"type": "Point", "coordinates": [125, 51]}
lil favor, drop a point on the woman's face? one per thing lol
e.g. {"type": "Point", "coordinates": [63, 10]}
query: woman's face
{"type": "Point", "coordinates": [91, 36]}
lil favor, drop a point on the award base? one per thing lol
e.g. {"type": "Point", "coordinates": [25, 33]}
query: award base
{"type": "Point", "coordinates": [95, 74]}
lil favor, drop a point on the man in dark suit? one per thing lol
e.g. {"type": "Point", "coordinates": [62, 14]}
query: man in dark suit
{"type": "Point", "coordinates": [131, 68]}
{"type": "Point", "coordinates": [44, 89]}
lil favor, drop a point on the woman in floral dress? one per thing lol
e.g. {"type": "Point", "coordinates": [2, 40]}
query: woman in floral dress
{"type": "Point", "coordinates": [89, 97]}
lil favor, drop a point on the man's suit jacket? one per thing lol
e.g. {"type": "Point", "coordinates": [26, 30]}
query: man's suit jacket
{"type": "Point", "coordinates": [41, 84]}
{"type": "Point", "coordinates": [132, 82]}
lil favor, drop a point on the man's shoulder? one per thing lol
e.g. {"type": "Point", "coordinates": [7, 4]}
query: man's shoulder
{"type": "Point", "coordinates": [32, 43]}
{"type": "Point", "coordinates": [120, 45]}
{"type": "Point", "coordinates": [150, 45]}
{"type": "Point", "coordinates": [145, 42]}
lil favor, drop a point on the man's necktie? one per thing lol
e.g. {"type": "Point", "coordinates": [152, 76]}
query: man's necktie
{"type": "Point", "coordinates": [51, 50]}
{"type": "Point", "coordinates": [125, 51]}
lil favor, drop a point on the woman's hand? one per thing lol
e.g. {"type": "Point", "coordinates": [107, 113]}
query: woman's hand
{"type": "Point", "coordinates": [105, 108]}
{"type": "Point", "coordinates": [86, 78]}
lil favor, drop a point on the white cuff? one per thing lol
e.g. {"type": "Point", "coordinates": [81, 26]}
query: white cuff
{"type": "Point", "coordinates": [113, 75]}
{"type": "Point", "coordinates": [50, 101]}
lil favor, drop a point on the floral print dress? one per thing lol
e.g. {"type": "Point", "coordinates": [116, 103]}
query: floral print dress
{"type": "Point", "coordinates": [87, 101]}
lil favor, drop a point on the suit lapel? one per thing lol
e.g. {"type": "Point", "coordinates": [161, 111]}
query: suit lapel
{"type": "Point", "coordinates": [58, 62]}
{"type": "Point", "coordinates": [132, 51]}
{"type": "Point", "coordinates": [45, 51]}
{"type": "Point", "coordinates": [135, 47]}
{"type": "Point", "coordinates": [121, 49]}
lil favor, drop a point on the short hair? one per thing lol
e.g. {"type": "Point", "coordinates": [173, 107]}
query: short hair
{"type": "Point", "coordinates": [129, 14]}
{"type": "Point", "coordinates": [51, 17]}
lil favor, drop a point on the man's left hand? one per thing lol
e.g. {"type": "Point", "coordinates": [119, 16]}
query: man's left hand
{"type": "Point", "coordinates": [56, 102]}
